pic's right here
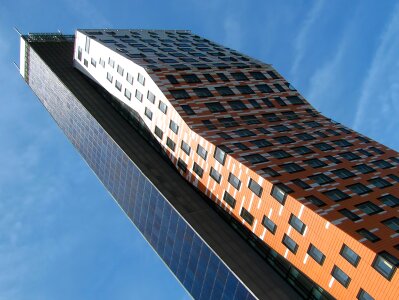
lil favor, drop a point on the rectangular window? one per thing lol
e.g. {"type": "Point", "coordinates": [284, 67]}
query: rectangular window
{"type": "Point", "coordinates": [290, 244]}
{"type": "Point", "coordinates": [340, 276]}
{"type": "Point", "coordinates": [257, 75]}
{"type": "Point", "coordinates": [250, 119]}
{"type": "Point", "coordinates": [172, 79]}
{"type": "Point", "coordinates": [349, 214]}
{"type": "Point", "coordinates": [215, 175]}
{"type": "Point", "coordinates": [244, 133]}
{"type": "Point", "coordinates": [141, 79]}
{"type": "Point", "coordinates": [129, 78]}
{"type": "Point", "coordinates": [229, 199]}
{"type": "Point", "coordinates": [284, 140]}
{"type": "Point", "coordinates": [110, 77]}
{"type": "Point", "coordinates": [111, 62]}
{"type": "Point", "coordinates": [209, 77]}
{"type": "Point", "coordinates": [343, 173]}
{"type": "Point", "coordinates": [316, 254]}
{"type": "Point", "coordinates": [254, 103]}
{"type": "Point", "coordinates": [87, 44]}
{"type": "Point", "coordinates": [80, 53]}
{"type": "Point", "coordinates": [255, 187]}
{"type": "Point", "coordinates": [385, 264]}
{"type": "Point", "coordinates": [264, 88]}
{"type": "Point", "coordinates": [315, 201]}
{"type": "Point", "coordinates": [297, 224]}
{"type": "Point", "coordinates": [369, 208]}
{"type": "Point", "coordinates": [389, 200]}
{"type": "Point", "coordinates": [392, 223]}
{"type": "Point", "coordinates": [173, 126]}
{"type": "Point", "coordinates": [151, 97]}
{"type": "Point", "coordinates": [237, 105]}
{"type": "Point", "coordinates": [234, 181]}
{"type": "Point", "coordinates": [198, 170]}
{"type": "Point", "coordinates": [188, 110]}
{"type": "Point", "coordinates": [255, 158]}
{"type": "Point", "coordinates": [185, 147]}
{"type": "Point", "coordinates": [336, 195]}
{"type": "Point", "coordinates": [148, 113]}
{"type": "Point", "coordinates": [278, 194]}
{"type": "Point", "coordinates": [158, 132]}
{"type": "Point", "coordinates": [171, 144]}
{"type": "Point", "coordinates": [120, 70]}
{"type": "Point", "coordinates": [118, 85]}
{"type": "Point", "coordinates": [379, 182]}
{"type": "Point", "coordinates": [321, 179]}
{"type": "Point", "coordinates": [247, 216]}
{"type": "Point", "coordinates": [261, 143]}
{"type": "Point", "coordinates": [202, 152]}
{"type": "Point", "coordinates": [182, 165]}
{"type": "Point", "coordinates": [280, 154]}
{"type": "Point", "coordinates": [202, 92]}
{"type": "Point", "coordinates": [163, 107]}
{"type": "Point", "coordinates": [350, 255]}
{"type": "Point", "coordinates": [368, 235]}
{"type": "Point", "coordinates": [269, 224]}
{"type": "Point", "coordinates": [220, 155]}
{"type": "Point", "coordinates": [139, 95]}
{"type": "Point", "coordinates": [292, 167]}
{"type": "Point", "coordinates": [191, 78]}
{"type": "Point", "coordinates": [224, 91]}
{"type": "Point", "coordinates": [363, 295]}
{"type": "Point", "coordinates": [302, 150]}
{"type": "Point", "coordinates": [215, 107]}
{"type": "Point", "coordinates": [364, 168]}
{"type": "Point", "coordinates": [245, 89]}
{"type": "Point", "coordinates": [93, 62]}
{"type": "Point", "coordinates": [128, 94]}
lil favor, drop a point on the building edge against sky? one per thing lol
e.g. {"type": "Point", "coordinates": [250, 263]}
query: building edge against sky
{"type": "Point", "coordinates": [289, 226]}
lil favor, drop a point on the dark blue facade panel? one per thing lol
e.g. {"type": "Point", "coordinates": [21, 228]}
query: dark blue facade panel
{"type": "Point", "coordinates": [197, 267]}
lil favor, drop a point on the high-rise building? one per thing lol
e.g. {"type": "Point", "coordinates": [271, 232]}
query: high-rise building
{"type": "Point", "coordinates": [198, 142]}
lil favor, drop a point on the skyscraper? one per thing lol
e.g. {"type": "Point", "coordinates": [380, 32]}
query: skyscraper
{"type": "Point", "coordinates": [316, 200]}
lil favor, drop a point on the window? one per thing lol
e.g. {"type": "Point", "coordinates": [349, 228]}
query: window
{"type": "Point", "coordinates": [120, 70]}
{"type": "Point", "coordinates": [284, 140]}
{"type": "Point", "coordinates": [254, 103]}
{"type": "Point", "coordinates": [264, 88]}
{"type": "Point", "coordinates": [343, 173]}
{"type": "Point", "coordinates": [302, 150]}
{"type": "Point", "coordinates": [350, 255]}
{"type": "Point", "coordinates": [239, 76]}
{"type": "Point", "coordinates": [244, 133]}
{"type": "Point", "coordinates": [215, 107]}
{"type": "Point", "coordinates": [263, 130]}
{"type": "Point", "coordinates": [315, 201]}
{"type": "Point", "coordinates": [350, 156]}
{"type": "Point", "coordinates": [272, 74]}
{"type": "Point", "coordinates": [363, 295]}
{"type": "Point", "coordinates": [280, 128]}
{"type": "Point", "coordinates": [129, 78]}
{"type": "Point", "coordinates": [271, 117]}
{"type": "Point", "coordinates": [102, 62]}
{"type": "Point", "coordinates": [148, 113]}
{"type": "Point", "coordinates": [295, 100]}
{"type": "Point", "coordinates": [237, 105]}
{"type": "Point", "coordinates": [198, 170]}
{"type": "Point", "coordinates": [301, 184]}
{"type": "Point", "coordinates": [150, 97]}
{"type": "Point", "coordinates": [202, 152]}
{"type": "Point", "coordinates": [128, 94]}
{"type": "Point", "coordinates": [172, 79]}
{"type": "Point", "coordinates": [321, 134]}
{"type": "Point", "coordinates": [389, 200]}
{"type": "Point", "coordinates": [215, 175]}
{"type": "Point", "coordinates": [297, 224]}
{"type": "Point", "coordinates": [246, 215]}
{"type": "Point", "coordinates": [280, 154]}
{"type": "Point", "coordinates": [321, 179]}
{"type": "Point", "coordinates": [290, 115]}
{"type": "Point", "coordinates": [250, 119]}
{"type": "Point", "coordinates": [279, 194]}
{"type": "Point", "coordinates": [350, 215]}
{"type": "Point", "coordinates": [223, 77]}
{"type": "Point", "coordinates": [336, 195]}
{"type": "Point", "coordinates": [359, 188]}
{"type": "Point", "coordinates": [225, 149]}
{"type": "Point", "coordinates": [118, 85]}
{"type": "Point", "coordinates": [93, 62]}
{"type": "Point", "coordinates": [111, 62]}
{"type": "Point", "coordinates": [182, 165]}
{"type": "Point", "coordinates": [340, 276]}
{"type": "Point", "coordinates": [368, 235]}
{"type": "Point", "coordinates": [110, 77]}
{"type": "Point", "coordinates": [269, 171]}
{"type": "Point", "coordinates": [257, 75]}
{"type": "Point", "coordinates": [261, 143]}
{"type": "Point", "coordinates": [228, 122]}
{"type": "Point", "coordinates": [163, 107]}
{"type": "Point", "coordinates": [342, 143]}
{"type": "Point", "coordinates": [255, 187]}
{"type": "Point", "coordinates": [267, 102]}
{"type": "Point", "coordinates": [376, 150]}
{"type": "Point", "coordinates": [312, 124]}
{"type": "Point", "coordinates": [224, 91]}
{"type": "Point", "coordinates": [290, 244]}
{"type": "Point", "coordinates": [364, 169]}
{"type": "Point", "coordinates": [244, 89]}
{"type": "Point", "coordinates": [209, 77]}
{"type": "Point", "coordinates": [185, 147]}
{"type": "Point", "coordinates": [188, 110]}
{"type": "Point", "coordinates": [279, 87]}
{"type": "Point", "coordinates": [140, 79]}
{"type": "Point", "coordinates": [173, 126]}
{"type": "Point", "coordinates": [255, 158]}
{"type": "Point", "coordinates": [364, 152]}
{"type": "Point", "coordinates": [315, 163]}
{"type": "Point", "coordinates": [241, 146]}
{"type": "Point", "coordinates": [333, 159]}
{"type": "Point", "coordinates": [158, 132]}
{"type": "Point", "coordinates": [220, 155]}
{"type": "Point", "coordinates": [379, 182]}
{"type": "Point", "coordinates": [316, 254]}
{"type": "Point", "coordinates": [229, 199]}
{"type": "Point", "coordinates": [80, 53]}
{"type": "Point", "coordinates": [392, 223]}
{"type": "Point", "coordinates": [292, 167]}
{"type": "Point", "coordinates": [304, 136]}
{"type": "Point", "coordinates": [191, 78]}
{"type": "Point", "coordinates": [394, 177]}
{"type": "Point", "coordinates": [385, 264]}
{"type": "Point", "coordinates": [202, 92]}
{"type": "Point", "coordinates": [234, 181]}
{"type": "Point", "coordinates": [269, 224]}
{"type": "Point", "coordinates": [179, 94]}
{"type": "Point", "coordinates": [139, 95]}
{"type": "Point", "coordinates": [171, 144]}
{"type": "Point", "coordinates": [323, 146]}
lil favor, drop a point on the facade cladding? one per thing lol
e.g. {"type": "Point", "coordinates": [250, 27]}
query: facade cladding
{"type": "Point", "coordinates": [321, 198]}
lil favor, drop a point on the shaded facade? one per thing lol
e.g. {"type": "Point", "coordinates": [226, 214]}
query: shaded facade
{"type": "Point", "coordinates": [317, 193]}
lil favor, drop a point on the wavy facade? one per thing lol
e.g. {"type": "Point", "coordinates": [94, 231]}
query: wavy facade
{"type": "Point", "coordinates": [319, 194]}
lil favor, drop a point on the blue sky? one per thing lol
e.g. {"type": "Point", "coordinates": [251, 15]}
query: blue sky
{"type": "Point", "coordinates": [61, 234]}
